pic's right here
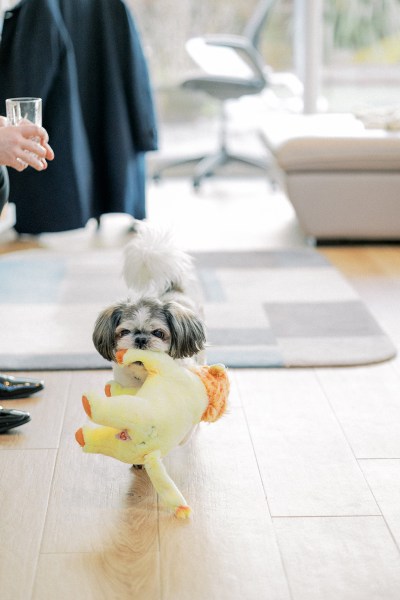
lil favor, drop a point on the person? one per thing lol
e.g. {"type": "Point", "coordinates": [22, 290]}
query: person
{"type": "Point", "coordinates": [22, 146]}
{"type": "Point", "coordinates": [98, 101]}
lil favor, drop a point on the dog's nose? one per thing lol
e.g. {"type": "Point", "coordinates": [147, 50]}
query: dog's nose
{"type": "Point", "coordinates": [141, 341]}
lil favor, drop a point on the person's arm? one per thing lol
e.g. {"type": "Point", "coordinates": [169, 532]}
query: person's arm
{"type": "Point", "coordinates": [17, 148]}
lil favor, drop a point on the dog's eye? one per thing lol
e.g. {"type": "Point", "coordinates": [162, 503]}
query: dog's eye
{"type": "Point", "coordinates": [159, 333]}
{"type": "Point", "coordinates": [123, 332]}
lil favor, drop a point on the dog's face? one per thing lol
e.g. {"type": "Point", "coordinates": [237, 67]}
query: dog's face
{"type": "Point", "coordinates": [149, 324]}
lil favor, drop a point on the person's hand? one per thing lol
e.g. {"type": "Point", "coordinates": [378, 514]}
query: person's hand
{"type": "Point", "coordinates": [24, 145]}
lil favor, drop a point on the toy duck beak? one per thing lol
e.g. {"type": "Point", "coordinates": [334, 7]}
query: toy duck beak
{"type": "Point", "coordinates": [120, 356]}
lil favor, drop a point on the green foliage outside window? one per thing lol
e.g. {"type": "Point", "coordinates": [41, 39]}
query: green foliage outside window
{"type": "Point", "coordinates": [370, 28]}
{"type": "Point", "coordinates": [360, 23]}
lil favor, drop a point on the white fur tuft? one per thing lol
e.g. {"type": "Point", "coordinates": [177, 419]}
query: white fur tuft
{"type": "Point", "coordinates": [152, 262]}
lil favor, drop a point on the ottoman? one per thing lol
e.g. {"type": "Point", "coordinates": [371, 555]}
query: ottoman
{"type": "Point", "coordinates": [342, 179]}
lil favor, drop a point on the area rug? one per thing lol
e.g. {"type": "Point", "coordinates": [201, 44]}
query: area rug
{"type": "Point", "coordinates": [281, 308]}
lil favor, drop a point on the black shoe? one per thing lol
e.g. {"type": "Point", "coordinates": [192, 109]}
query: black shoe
{"type": "Point", "coordinates": [12, 418]}
{"type": "Point", "coordinates": [14, 387]}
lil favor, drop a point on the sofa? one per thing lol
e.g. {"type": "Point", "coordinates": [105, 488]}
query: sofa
{"type": "Point", "coordinates": [342, 178]}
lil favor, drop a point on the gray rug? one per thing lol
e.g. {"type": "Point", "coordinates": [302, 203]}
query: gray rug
{"type": "Point", "coordinates": [283, 308]}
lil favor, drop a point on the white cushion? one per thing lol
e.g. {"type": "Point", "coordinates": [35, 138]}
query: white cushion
{"type": "Point", "coordinates": [330, 143]}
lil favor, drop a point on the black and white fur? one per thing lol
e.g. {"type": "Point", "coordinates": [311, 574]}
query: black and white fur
{"type": "Point", "coordinates": [158, 314]}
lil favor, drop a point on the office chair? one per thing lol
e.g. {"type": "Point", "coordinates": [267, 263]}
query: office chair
{"type": "Point", "coordinates": [234, 68]}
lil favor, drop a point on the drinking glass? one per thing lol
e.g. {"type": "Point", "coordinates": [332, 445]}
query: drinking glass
{"type": "Point", "coordinates": [30, 109]}
{"type": "Point", "coordinates": [24, 108]}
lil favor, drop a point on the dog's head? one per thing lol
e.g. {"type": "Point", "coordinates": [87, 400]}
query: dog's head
{"type": "Point", "coordinates": [149, 324]}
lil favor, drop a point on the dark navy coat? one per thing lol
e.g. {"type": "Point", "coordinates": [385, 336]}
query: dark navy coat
{"type": "Point", "coordinates": [84, 59]}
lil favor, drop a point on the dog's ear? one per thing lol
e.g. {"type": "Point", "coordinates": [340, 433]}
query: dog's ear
{"type": "Point", "coordinates": [104, 331]}
{"type": "Point", "coordinates": [187, 330]}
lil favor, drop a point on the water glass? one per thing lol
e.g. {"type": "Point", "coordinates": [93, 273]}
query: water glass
{"type": "Point", "coordinates": [24, 108]}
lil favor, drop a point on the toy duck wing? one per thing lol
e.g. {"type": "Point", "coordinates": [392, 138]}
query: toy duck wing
{"type": "Point", "coordinates": [117, 411]}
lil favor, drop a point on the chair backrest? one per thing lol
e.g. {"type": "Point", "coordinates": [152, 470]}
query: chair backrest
{"type": "Point", "coordinates": [255, 24]}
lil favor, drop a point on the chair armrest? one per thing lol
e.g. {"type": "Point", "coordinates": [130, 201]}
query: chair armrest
{"type": "Point", "coordinates": [197, 47]}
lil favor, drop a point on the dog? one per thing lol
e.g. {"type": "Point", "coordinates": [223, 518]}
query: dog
{"type": "Point", "coordinates": [159, 313]}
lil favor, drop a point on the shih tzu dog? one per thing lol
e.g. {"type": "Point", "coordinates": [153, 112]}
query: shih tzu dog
{"type": "Point", "coordinates": [158, 314]}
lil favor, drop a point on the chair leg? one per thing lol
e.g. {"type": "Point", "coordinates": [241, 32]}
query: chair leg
{"type": "Point", "coordinates": [208, 165]}
{"type": "Point", "coordinates": [157, 174]}
{"type": "Point", "coordinates": [247, 160]}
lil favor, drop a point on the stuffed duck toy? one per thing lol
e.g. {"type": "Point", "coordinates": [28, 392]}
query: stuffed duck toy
{"type": "Point", "coordinates": [141, 426]}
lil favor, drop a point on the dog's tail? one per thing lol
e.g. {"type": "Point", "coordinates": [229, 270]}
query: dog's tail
{"type": "Point", "coordinates": [153, 264]}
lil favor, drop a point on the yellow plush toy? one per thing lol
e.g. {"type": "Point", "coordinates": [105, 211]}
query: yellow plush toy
{"type": "Point", "coordinates": [141, 426]}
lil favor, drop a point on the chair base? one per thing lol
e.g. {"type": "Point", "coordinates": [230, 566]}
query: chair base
{"type": "Point", "coordinates": [209, 163]}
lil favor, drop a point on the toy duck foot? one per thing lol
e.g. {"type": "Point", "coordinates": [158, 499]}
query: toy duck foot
{"type": "Point", "coordinates": [79, 437]}
{"type": "Point", "coordinates": [183, 512]}
{"type": "Point", "coordinates": [86, 406]}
